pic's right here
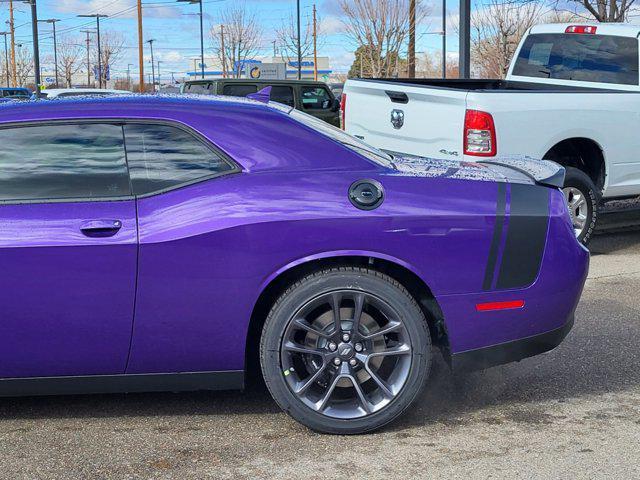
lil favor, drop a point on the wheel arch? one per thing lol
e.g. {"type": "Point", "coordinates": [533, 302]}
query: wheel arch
{"type": "Point", "coordinates": [278, 282]}
{"type": "Point", "coordinates": [582, 153]}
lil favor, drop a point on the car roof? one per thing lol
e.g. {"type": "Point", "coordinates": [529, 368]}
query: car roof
{"type": "Point", "coordinates": [133, 104]}
{"type": "Point", "coordinates": [616, 29]}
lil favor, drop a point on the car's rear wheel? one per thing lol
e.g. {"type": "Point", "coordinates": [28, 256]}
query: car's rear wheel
{"type": "Point", "coordinates": [345, 350]}
{"type": "Point", "coordinates": [582, 201]}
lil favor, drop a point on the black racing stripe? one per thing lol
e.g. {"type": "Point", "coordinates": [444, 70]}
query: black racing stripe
{"type": "Point", "coordinates": [497, 235]}
{"type": "Point", "coordinates": [526, 236]}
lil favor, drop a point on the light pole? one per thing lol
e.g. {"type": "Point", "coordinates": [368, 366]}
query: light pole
{"type": "Point", "coordinates": [153, 66]}
{"type": "Point", "coordinates": [53, 22]}
{"type": "Point", "coordinates": [299, 46]}
{"type": "Point", "coordinates": [6, 56]}
{"type": "Point", "coordinates": [199, 2]}
{"type": "Point", "coordinates": [159, 77]}
{"type": "Point", "coordinates": [97, 16]}
{"type": "Point", "coordinates": [36, 45]}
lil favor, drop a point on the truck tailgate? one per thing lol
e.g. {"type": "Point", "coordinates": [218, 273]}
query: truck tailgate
{"type": "Point", "coordinates": [420, 120]}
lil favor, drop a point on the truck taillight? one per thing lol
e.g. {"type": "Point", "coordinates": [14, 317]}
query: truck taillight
{"type": "Point", "coordinates": [479, 134]}
{"type": "Point", "coordinates": [343, 108]}
{"type": "Point", "coordinates": [590, 29]}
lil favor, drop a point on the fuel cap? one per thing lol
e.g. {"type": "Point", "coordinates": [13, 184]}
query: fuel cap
{"type": "Point", "coordinates": [366, 194]}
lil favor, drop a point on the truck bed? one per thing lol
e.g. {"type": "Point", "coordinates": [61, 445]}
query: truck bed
{"type": "Point", "coordinates": [481, 84]}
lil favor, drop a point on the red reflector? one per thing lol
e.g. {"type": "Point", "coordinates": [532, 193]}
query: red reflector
{"type": "Point", "coordinates": [343, 108]}
{"type": "Point", "coordinates": [590, 29]}
{"type": "Point", "coordinates": [508, 305]}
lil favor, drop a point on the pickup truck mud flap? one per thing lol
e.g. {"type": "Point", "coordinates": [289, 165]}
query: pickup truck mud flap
{"type": "Point", "coordinates": [519, 236]}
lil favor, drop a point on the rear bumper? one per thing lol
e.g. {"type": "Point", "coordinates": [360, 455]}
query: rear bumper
{"type": "Point", "coordinates": [514, 351]}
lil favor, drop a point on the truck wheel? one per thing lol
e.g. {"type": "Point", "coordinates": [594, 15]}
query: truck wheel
{"type": "Point", "coordinates": [582, 201]}
{"type": "Point", "coordinates": [345, 350]}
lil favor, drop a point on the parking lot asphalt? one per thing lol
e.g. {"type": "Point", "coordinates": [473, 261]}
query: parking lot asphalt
{"type": "Point", "coordinates": [572, 413]}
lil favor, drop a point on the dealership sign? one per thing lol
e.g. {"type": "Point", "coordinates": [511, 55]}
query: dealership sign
{"type": "Point", "coordinates": [265, 71]}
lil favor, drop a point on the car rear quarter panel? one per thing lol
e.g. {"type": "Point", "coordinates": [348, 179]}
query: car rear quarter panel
{"type": "Point", "coordinates": [208, 250]}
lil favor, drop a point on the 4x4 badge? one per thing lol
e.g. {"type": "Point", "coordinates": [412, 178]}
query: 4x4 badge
{"type": "Point", "coordinates": [397, 119]}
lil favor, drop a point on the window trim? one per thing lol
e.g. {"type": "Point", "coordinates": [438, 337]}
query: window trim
{"type": "Point", "coordinates": [121, 122]}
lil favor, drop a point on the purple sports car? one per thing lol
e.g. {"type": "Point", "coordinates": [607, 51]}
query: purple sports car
{"type": "Point", "coordinates": [179, 244]}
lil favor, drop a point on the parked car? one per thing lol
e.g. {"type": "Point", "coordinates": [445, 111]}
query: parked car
{"type": "Point", "coordinates": [167, 243]}
{"type": "Point", "coordinates": [53, 93]}
{"type": "Point", "coordinates": [571, 95]}
{"type": "Point", "coordinates": [10, 94]}
{"type": "Point", "coordinates": [314, 98]}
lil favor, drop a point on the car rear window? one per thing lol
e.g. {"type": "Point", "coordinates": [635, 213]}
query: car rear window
{"type": "Point", "coordinates": [580, 57]}
{"type": "Point", "coordinates": [239, 90]}
{"type": "Point", "coordinates": [352, 143]}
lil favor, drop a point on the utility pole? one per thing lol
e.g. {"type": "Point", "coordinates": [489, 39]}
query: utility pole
{"type": "Point", "coordinates": [36, 46]}
{"type": "Point", "coordinates": [129, 65]}
{"type": "Point", "coordinates": [12, 29]}
{"type": "Point", "coordinates": [465, 39]}
{"type": "Point", "coordinates": [140, 48]}
{"type": "Point", "coordinates": [53, 22]}
{"type": "Point", "coordinates": [224, 56]}
{"type": "Point", "coordinates": [98, 16]}
{"type": "Point", "coordinates": [299, 46]}
{"type": "Point", "coordinates": [274, 49]}
{"type": "Point", "coordinates": [315, 45]}
{"type": "Point", "coordinates": [412, 39]}
{"type": "Point", "coordinates": [159, 77]}
{"type": "Point", "coordinates": [153, 66]}
{"type": "Point", "coordinates": [444, 38]}
{"type": "Point", "coordinates": [88, 40]}
{"type": "Point", "coordinates": [6, 57]}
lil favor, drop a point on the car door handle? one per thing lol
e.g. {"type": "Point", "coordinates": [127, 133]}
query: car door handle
{"type": "Point", "coordinates": [100, 228]}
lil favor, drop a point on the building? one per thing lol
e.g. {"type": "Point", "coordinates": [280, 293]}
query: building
{"type": "Point", "coordinates": [213, 68]}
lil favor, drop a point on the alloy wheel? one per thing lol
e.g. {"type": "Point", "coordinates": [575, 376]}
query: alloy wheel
{"type": "Point", "coordinates": [345, 354]}
{"type": "Point", "coordinates": [578, 208]}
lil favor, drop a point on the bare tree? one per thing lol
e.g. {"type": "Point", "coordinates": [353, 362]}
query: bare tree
{"type": "Point", "coordinates": [287, 38]}
{"type": "Point", "coordinates": [242, 37]}
{"type": "Point", "coordinates": [24, 65]}
{"type": "Point", "coordinates": [381, 27]}
{"type": "Point", "coordinates": [606, 10]}
{"type": "Point", "coordinates": [111, 49]}
{"type": "Point", "coordinates": [70, 56]}
{"type": "Point", "coordinates": [498, 28]}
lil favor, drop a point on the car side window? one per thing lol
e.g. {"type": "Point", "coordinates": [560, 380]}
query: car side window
{"type": "Point", "coordinates": [282, 94]}
{"type": "Point", "coordinates": [163, 156]}
{"type": "Point", "coordinates": [239, 90]}
{"type": "Point", "coordinates": [53, 162]}
{"type": "Point", "coordinates": [316, 98]}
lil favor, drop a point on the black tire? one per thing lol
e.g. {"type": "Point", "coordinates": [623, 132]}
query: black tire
{"type": "Point", "coordinates": [362, 281]}
{"type": "Point", "coordinates": [579, 180]}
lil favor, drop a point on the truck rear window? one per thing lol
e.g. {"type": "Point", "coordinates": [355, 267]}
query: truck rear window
{"type": "Point", "coordinates": [585, 58]}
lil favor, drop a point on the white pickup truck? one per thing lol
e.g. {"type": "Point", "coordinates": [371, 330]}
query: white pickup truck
{"type": "Point", "coordinates": [572, 95]}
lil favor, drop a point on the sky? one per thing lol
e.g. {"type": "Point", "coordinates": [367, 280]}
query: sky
{"type": "Point", "coordinates": [175, 28]}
